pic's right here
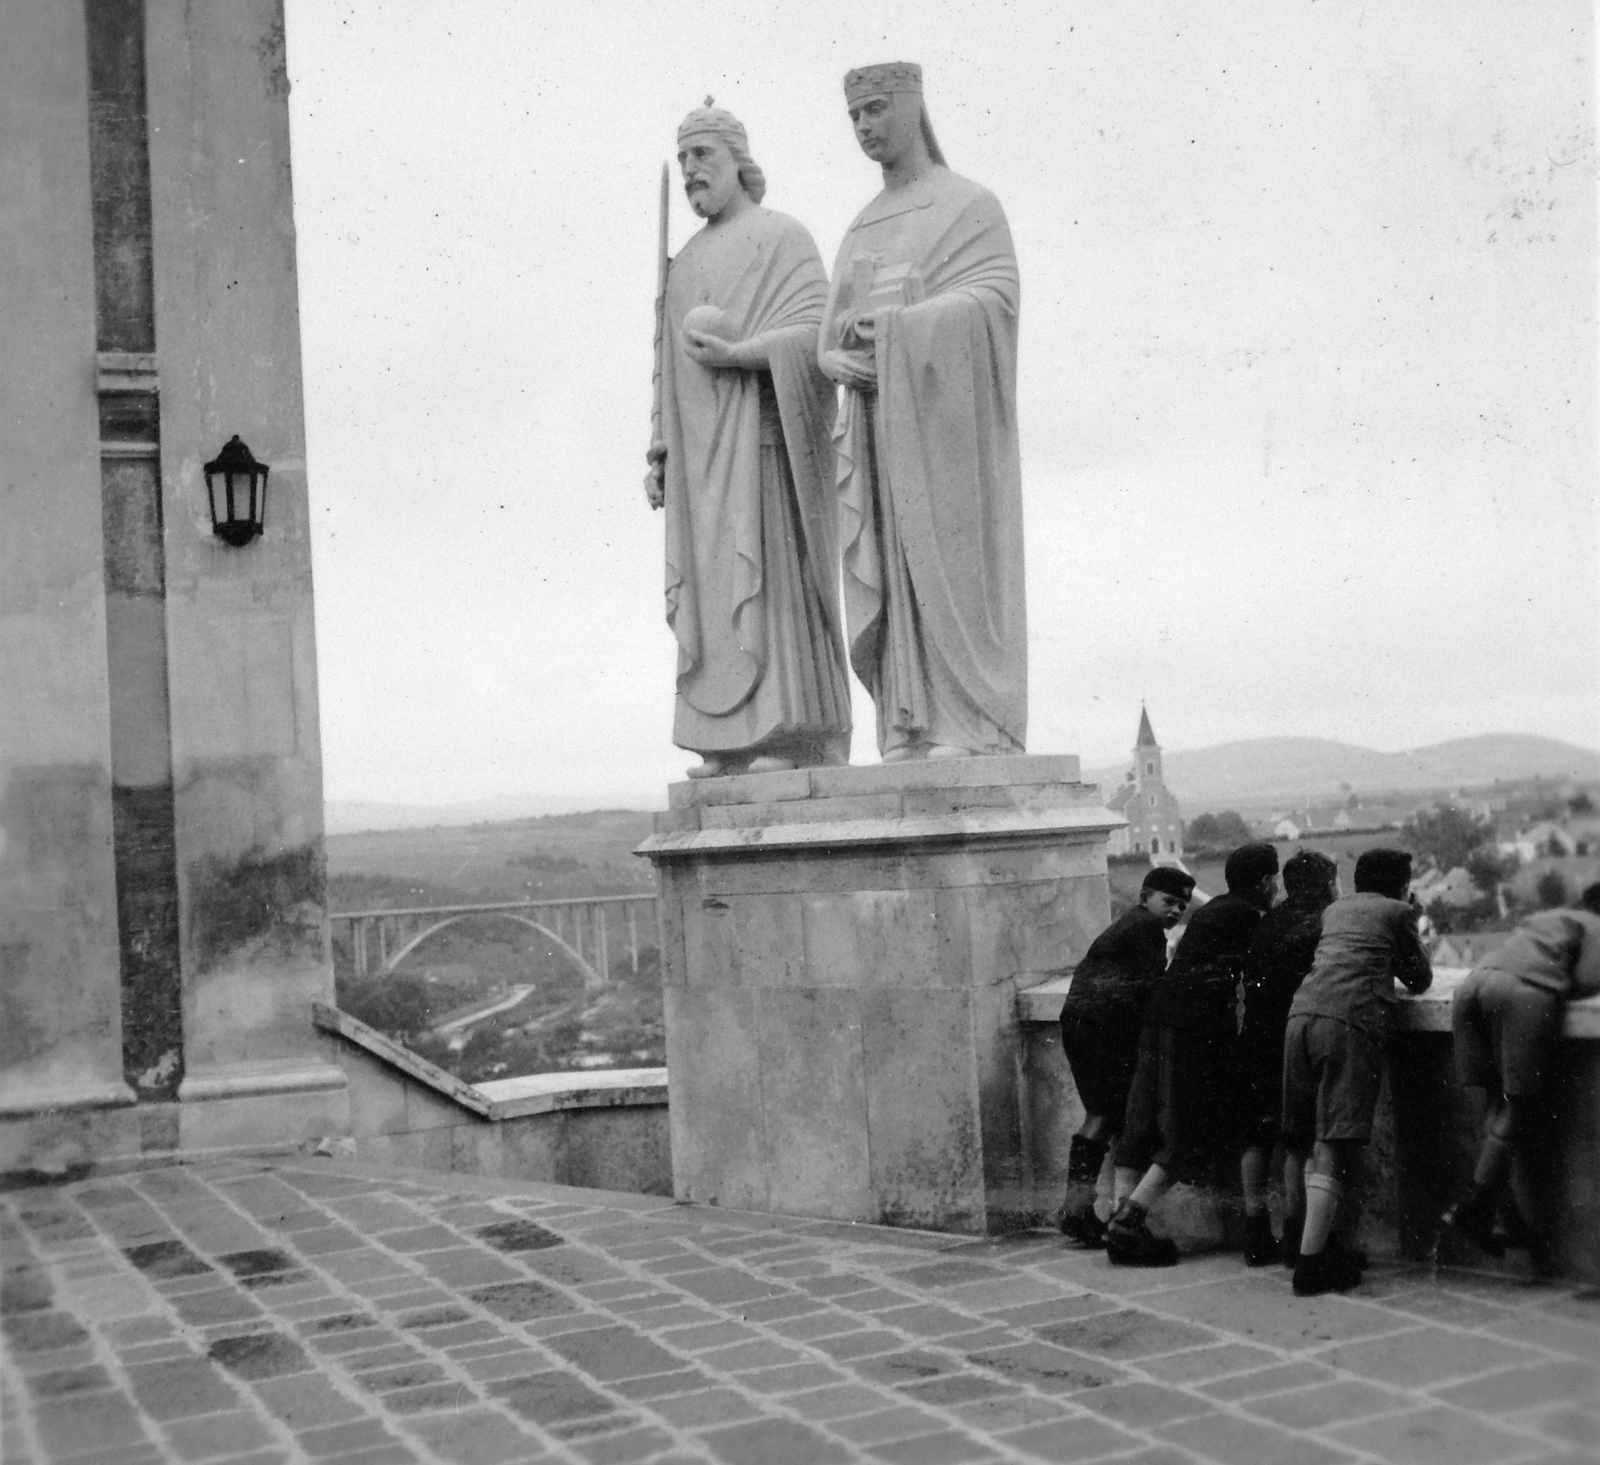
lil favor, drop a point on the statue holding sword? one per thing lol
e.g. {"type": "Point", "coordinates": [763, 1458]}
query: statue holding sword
{"type": "Point", "coordinates": [741, 463]}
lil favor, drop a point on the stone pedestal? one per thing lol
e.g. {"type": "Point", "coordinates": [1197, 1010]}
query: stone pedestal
{"type": "Point", "coordinates": [841, 949]}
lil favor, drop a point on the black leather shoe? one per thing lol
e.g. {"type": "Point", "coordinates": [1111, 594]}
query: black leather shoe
{"type": "Point", "coordinates": [1131, 1243]}
{"type": "Point", "coordinates": [1084, 1227]}
{"type": "Point", "coordinates": [1473, 1217]}
{"type": "Point", "coordinates": [1324, 1271]}
{"type": "Point", "coordinates": [1260, 1245]}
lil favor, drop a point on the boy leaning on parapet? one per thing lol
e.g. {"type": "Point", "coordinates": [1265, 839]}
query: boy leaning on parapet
{"type": "Point", "coordinates": [1339, 1026]}
{"type": "Point", "coordinates": [1100, 1023]}
{"type": "Point", "coordinates": [1281, 954]}
{"type": "Point", "coordinates": [1178, 1113]}
{"type": "Point", "coordinates": [1506, 1019]}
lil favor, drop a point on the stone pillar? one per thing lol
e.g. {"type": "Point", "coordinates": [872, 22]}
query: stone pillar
{"type": "Point", "coordinates": [246, 760]}
{"type": "Point", "coordinates": [62, 1095]}
{"type": "Point", "coordinates": [841, 949]}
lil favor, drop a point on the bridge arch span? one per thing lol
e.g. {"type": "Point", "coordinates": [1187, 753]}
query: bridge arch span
{"type": "Point", "coordinates": [591, 978]}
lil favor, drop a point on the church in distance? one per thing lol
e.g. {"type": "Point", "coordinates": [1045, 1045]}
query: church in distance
{"type": "Point", "coordinates": [1155, 822]}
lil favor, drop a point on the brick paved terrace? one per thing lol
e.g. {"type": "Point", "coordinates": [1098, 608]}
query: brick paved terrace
{"type": "Point", "coordinates": [257, 1310]}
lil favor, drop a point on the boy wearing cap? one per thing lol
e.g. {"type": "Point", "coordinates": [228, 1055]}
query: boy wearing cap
{"type": "Point", "coordinates": [1281, 953]}
{"type": "Point", "coordinates": [1506, 1019]}
{"type": "Point", "coordinates": [1339, 1026]}
{"type": "Point", "coordinates": [1100, 1022]}
{"type": "Point", "coordinates": [1172, 1119]}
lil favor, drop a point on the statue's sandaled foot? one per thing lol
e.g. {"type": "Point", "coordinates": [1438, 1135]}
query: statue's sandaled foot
{"type": "Point", "coordinates": [905, 753]}
{"type": "Point", "coordinates": [771, 765]}
{"type": "Point", "coordinates": [712, 768]}
{"type": "Point", "coordinates": [947, 750]}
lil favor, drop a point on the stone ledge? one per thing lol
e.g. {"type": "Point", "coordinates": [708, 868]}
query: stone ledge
{"type": "Point", "coordinates": [879, 778]}
{"type": "Point", "coordinates": [381, 1045]}
{"type": "Point", "coordinates": [242, 1080]}
{"type": "Point", "coordinates": [66, 1100]}
{"type": "Point", "coordinates": [972, 827]}
{"type": "Point", "coordinates": [543, 1093]}
{"type": "Point", "coordinates": [1429, 1013]}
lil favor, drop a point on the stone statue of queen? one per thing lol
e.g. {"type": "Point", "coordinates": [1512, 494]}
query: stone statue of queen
{"type": "Point", "coordinates": [921, 331]}
{"type": "Point", "coordinates": [743, 466]}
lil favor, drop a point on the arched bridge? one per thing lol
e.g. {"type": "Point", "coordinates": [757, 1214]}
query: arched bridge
{"type": "Point", "coordinates": [582, 927]}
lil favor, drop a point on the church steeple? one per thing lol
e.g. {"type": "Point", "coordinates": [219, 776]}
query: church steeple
{"type": "Point", "coordinates": [1146, 752]}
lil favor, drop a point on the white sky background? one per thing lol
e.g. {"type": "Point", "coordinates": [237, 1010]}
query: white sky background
{"type": "Point", "coordinates": [1308, 371]}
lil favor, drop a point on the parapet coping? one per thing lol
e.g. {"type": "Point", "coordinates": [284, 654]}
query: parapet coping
{"type": "Point", "coordinates": [1427, 1013]}
{"type": "Point", "coordinates": [843, 781]}
{"type": "Point", "coordinates": [971, 825]}
{"type": "Point", "coordinates": [504, 1098]}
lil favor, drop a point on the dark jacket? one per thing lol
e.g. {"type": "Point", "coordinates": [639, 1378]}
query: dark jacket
{"type": "Point", "coordinates": [1113, 982]}
{"type": "Point", "coordinates": [1199, 991]}
{"type": "Point", "coordinates": [1280, 955]}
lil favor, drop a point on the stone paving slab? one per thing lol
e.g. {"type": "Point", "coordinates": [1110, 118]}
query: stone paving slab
{"type": "Point", "coordinates": [250, 1310]}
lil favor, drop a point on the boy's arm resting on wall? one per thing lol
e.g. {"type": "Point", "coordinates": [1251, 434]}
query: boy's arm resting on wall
{"type": "Point", "coordinates": [1411, 964]}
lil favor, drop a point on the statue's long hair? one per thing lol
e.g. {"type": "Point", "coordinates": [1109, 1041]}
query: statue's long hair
{"type": "Point", "coordinates": [934, 150]}
{"type": "Point", "coordinates": [751, 178]}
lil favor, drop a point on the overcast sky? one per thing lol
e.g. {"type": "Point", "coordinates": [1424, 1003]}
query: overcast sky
{"type": "Point", "coordinates": [1307, 378]}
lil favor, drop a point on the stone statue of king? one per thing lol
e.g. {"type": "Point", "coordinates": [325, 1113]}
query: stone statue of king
{"type": "Point", "coordinates": [921, 331]}
{"type": "Point", "coordinates": [743, 465]}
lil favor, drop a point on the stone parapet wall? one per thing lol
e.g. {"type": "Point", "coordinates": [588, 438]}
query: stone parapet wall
{"type": "Point", "coordinates": [603, 1129]}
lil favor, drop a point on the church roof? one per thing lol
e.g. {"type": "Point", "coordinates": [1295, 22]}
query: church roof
{"type": "Point", "coordinates": [1147, 737]}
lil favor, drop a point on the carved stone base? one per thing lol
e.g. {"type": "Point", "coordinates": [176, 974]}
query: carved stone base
{"type": "Point", "coordinates": [263, 1103]}
{"type": "Point", "coordinates": [841, 955]}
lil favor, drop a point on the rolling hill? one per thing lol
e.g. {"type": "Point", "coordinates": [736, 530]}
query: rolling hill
{"type": "Point", "coordinates": [1271, 770]}
{"type": "Point", "coordinates": [1253, 773]}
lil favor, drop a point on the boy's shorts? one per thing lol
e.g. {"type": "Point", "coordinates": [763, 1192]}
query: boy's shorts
{"type": "Point", "coordinates": [1170, 1117]}
{"type": "Point", "coordinates": [1331, 1076]}
{"type": "Point", "coordinates": [1505, 1033]}
{"type": "Point", "coordinates": [1102, 1062]}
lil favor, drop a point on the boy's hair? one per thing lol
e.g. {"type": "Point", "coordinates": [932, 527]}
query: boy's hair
{"type": "Point", "coordinates": [1590, 899]}
{"type": "Point", "coordinates": [1310, 873]}
{"type": "Point", "coordinates": [1249, 865]}
{"type": "Point", "coordinates": [1168, 881]}
{"type": "Point", "coordinates": [1384, 872]}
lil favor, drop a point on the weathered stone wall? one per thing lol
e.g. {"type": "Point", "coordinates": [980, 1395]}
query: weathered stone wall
{"type": "Point", "coordinates": [160, 771]}
{"type": "Point", "coordinates": [607, 1131]}
{"type": "Point", "coordinates": [60, 1000]}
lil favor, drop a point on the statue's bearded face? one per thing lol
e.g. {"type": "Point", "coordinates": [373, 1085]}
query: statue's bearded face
{"type": "Point", "coordinates": [710, 173]}
{"type": "Point", "coordinates": [887, 125]}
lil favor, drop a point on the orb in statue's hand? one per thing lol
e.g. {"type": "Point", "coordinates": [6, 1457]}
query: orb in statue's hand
{"type": "Point", "coordinates": [712, 320]}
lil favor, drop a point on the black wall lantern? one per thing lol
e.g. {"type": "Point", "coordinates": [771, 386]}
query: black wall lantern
{"type": "Point", "coordinates": [237, 485]}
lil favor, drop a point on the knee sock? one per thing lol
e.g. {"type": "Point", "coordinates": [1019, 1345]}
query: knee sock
{"type": "Point", "coordinates": [1322, 1209]}
{"type": "Point", "coordinates": [1149, 1190]}
{"type": "Point", "coordinates": [1126, 1181]}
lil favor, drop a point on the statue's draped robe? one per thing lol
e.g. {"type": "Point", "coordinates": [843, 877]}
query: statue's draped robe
{"type": "Point", "coordinates": [930, 489]}
{"type": "Point", "coordinates": [751, 528]}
